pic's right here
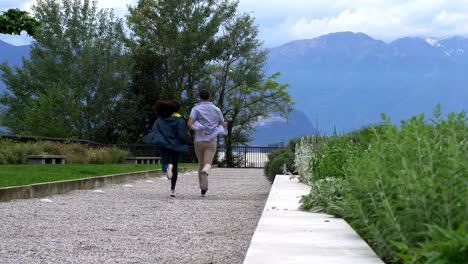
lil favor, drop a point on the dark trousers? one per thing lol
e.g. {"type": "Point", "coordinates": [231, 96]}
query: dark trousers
{"type": "Point", "coordinates": [170, 156]}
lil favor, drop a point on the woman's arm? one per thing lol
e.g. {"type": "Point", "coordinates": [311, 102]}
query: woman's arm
{"type": "Point", "coordinates": [182, 131]}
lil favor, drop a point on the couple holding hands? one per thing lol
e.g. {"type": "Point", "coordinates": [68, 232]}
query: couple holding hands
{"type": "Point", "coordinates": [170, 132]}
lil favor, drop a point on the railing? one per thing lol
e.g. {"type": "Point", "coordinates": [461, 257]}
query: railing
{"type": "Point", "coordinates": [243, 156]}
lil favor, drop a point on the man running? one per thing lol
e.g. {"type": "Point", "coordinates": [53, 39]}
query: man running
{"type": "Point", "coordinates": [208, 122]}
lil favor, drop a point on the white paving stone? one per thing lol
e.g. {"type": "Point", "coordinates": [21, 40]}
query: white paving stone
{"type": "Point", "coordinates": [285, 234]}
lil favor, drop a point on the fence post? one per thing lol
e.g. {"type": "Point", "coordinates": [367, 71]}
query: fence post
{"type": "Point", "coordinates": [245, 157]}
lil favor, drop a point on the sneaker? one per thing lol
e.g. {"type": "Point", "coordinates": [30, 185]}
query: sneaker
{"type": "Point", "coordinates": [172, 193]}
{"type": "Point", "coordinates": [169, 171]}
{"type": "Point", "coordinates": [203, 193]}
{"type": "Point", "coordinates": [206, 169]}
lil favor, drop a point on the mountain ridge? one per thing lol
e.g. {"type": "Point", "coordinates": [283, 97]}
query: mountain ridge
{"type": "Point", "coordinates": [350, 81]}
{"type": "Point", "coordinates": [345, 80]}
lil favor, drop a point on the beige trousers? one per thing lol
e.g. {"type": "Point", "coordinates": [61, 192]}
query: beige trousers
{"type": "Point", "coordinates": [205, 152]}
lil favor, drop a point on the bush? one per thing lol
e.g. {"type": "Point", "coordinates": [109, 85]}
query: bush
{"type": "Point", "coordinates": [324, 195]}
{"type": "Point", "coordinates": [333, 153]}
{"type": "Point", "coordinates": [105, 155]}
{"type": "Point", "coordinates": [12, 152]}
{"type": "Point", "coordinates": [402, 189]}
{"type": "Point", "coordinates": [303, 156]}
{"type": "Point", "coordinates": [76, 153]}
{"type": "Point", "coordinates": [441, 246]}
{"type": "Point", "coordinates": [331, 156]}
{"type": "Point", "coordinates": [237, 161]}
{"type": "Point", "coordinates": [411, 178]}
{"type": "Point", "coordinates": [280, 158]}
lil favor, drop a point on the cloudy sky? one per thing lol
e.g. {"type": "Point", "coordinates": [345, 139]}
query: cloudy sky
{"type": "Point", "coordinates": [281, 21]}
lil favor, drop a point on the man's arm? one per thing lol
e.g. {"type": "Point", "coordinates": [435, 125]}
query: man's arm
{"type": "Point", "coordinates": [221, 117]}
{"type": "Point", "coordinates": [190, 123]}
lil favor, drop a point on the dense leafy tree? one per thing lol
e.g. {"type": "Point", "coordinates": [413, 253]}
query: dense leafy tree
{"type": "Point", "coordinates": [75, 77]}
{"type": "Point", "coordinates": [242, 90]}
{"type": "Point", "coordinates": [13, 21]}
{"type": "Point", "coordinates": [179, 47]}
{"type": "Point", "coordinates": [173, 43]}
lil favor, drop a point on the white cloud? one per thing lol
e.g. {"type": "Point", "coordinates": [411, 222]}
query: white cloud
{"type": "Point", "coordinates": [383, 19]}
{"type": "Point", "coordinates": [285, 20]}
{"type": "Point", "coordinates": [21, 4]}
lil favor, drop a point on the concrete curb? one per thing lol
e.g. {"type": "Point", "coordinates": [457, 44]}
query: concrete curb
{"type": "Point", "coordinates": [285, 234]}
{"type": "Point", "coordinates": [59, 187]}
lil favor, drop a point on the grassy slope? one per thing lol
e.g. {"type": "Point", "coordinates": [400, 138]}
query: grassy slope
{"type": "Point", "coordinates": [14, 175]}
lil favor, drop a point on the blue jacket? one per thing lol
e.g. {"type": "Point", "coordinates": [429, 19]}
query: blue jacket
{"type": "Point", "coordinates": [170, 133]}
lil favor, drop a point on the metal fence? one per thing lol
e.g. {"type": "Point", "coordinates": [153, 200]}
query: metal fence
{"type": "Point", "coordinates": [246, 156]}
{"type": "Point", "coordinates": [243, 156]}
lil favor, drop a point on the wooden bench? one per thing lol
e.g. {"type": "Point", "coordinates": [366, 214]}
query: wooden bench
{"type": "Point", "coordinates": [46, 159]}
{"type": "Point", "coordinates": [143, 160]}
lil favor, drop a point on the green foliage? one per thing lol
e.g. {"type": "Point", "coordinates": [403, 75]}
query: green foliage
{"type": "Point", "coordinates": [332, 153]}
{"type": "Point", "coordinates": [12, 152]}
{"type": "Point", "coordinates": [441, 246]}
{"type": "Point", "coordinates": [237, 161]}
{"type": "Point", "coordinates": [404, 189]}
{"type": "Point", "coordinates": [196, 45]}
{"type": "Point", "coordinates": [13, 21]}
{"type": "Point", "coordinates": [331, 156]}
{"type": "Point", "coordinates": [324, 195]}
{"type": "Point", "coordinates": [75, 77]}
{"type": "Point", "coordinates": [238, 82]}
{"type": "Point", "coordinates": [412, 177]}
{"type": "Point", "coordinates": [278, 159]}
{"type": "Point", "coordinates": [172, 45]}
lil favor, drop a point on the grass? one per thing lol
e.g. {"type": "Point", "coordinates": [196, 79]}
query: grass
{"type": "Point", "coordinates": [16, 175]}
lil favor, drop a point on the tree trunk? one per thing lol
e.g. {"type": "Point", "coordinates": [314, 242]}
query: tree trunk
{"type": "Point", "coordinates": [229, 155]}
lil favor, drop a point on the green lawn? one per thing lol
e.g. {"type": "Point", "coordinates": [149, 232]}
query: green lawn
{"type": "Point", "coordinates": [15, 175]}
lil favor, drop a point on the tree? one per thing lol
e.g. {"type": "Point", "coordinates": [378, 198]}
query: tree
{"type": "Point", "coordinates": [241, 89]}
{"type": "Point", "coordinates": [13, 21]}
{"type": "Point", "coordinates": [75, 78]}
{"type": "Point", "coordinates": [179, 47]}
{"type": "Point", "coordinates": [172, 45]}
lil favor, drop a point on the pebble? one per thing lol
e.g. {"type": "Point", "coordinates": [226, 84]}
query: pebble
{"type": "Point", "coordinates": [139, 225]}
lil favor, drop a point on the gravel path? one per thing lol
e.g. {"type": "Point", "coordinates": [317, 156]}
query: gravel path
{"type": "Point", "coordinates": [137, 222]}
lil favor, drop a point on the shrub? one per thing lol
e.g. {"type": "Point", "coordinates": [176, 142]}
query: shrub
{"type": "Point", "coordinates": [303, 156]}
{"type": "Point", "coordinates": [76, 153]}
{"type": "Point", "coordinates": [105, 155]}
{"type": "Point", "coordinates": [117, 155]}
{"type": "Point", "coordinates": [324, 195]}
{"type": "Point", "coordinates": [238, 160]}
{"type": "Point", "coordinates": [279, 158]}
{"type": "Point", "coordinates": [412, 178]}
{"type": "Point", "coordinates": [441, 246]}
{"type": "Point", "coordinates": [402, 189]}
{"type": "Point", "coordinates": [12, 152]}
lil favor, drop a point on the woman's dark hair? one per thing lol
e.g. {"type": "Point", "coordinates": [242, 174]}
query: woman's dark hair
{"type": "Point", "coordinates": [204, 94]}
{"type": "Point", "coordinates": [165, 108]}
{"type": "Point", "coordinates": [176, 106]}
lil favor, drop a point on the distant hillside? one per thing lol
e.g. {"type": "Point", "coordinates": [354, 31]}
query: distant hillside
{"type": "Point", "coordinates": [346, 80]}
{"type": "Point", "coordinates": [12, 55]}
{"type": "Point", "coordinates": [277, 130]}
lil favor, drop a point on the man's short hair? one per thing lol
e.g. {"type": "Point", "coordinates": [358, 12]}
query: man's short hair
{"type": "Point", "coordinates": [204, 94]}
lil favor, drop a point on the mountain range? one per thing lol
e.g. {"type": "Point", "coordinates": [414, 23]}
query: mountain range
{"type": "Point", "coordinates": [12, 55]}
{"type": "Point", "coordinates": [344, 81]}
